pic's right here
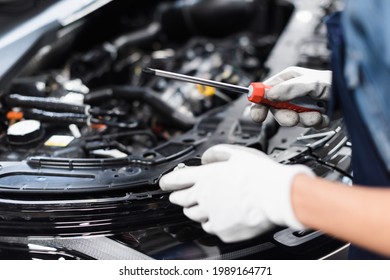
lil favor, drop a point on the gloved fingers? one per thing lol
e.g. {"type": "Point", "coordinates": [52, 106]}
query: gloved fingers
{"type": "Point", "coordinates": [217, 153]}
{"type": "Point", "coordinates": [313, 119]}
{"type": "Point", "coordinates": [225, 235]}
{"type": "Point", "coordinates": [240, 233]}
{"type": "Point", "coordinates": [285, 75]}
{"type": "Point", "coordinates": [208, 227]}
{"type": "Point", "coordinates": [291, 89]}
{"type": "Point", "coordinates": [322, 91]}
{"type": "Point", "coordinates": [310, 119]}
{"type": "Point", "coordinates": [324, 123]}
{"type": "Point", "coordinates": [258, 112]}
{"type": "Point", "coordinates": [307, 119]}
{"type": "Point", "coordinates": [196, 213]}
{"type": "Point", "coordinates": [184, 198]}
{"type": "Point", "coordinates": [181, 179]}
{"type": "Point", "coordinates": [285, 117]}
{"type": "Point", "coordinates": [223, 152]}
{"type": "Point", "coordinates": [298, 87]}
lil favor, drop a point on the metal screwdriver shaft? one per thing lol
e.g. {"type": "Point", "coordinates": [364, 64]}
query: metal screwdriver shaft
{"type": "Point", "coordinates": [195, 80]}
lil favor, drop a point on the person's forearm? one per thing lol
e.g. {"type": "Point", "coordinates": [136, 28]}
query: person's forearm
{"type": "Point", "coordinates": [357, 214]}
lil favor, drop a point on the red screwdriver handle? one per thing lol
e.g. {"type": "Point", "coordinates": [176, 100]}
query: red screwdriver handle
{"type": "Point", "coordinates": [257, 92]}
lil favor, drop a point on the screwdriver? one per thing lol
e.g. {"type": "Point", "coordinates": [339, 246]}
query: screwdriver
{"type": "Point", "coordinates": [255, 92]}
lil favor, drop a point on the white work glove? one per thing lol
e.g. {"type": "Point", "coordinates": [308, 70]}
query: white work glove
{"type": "Point", "coordinates": [289, 84]}
{"type": "Point", "coordinates": [237, 193]}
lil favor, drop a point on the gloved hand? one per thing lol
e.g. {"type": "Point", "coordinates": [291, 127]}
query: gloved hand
{"type": "Point", "coordinates": [289, 84]}
{"type": "Point", "coordinates": [237, 193]}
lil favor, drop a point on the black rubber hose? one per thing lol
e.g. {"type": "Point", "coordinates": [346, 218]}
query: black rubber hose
{"type": "Point", "coordinates": [215, 18]}
{"type": "Point", "coordinates": [53, 117]}
{"type": "Point", "coordinates": [138, 37]}
{"type": "Point", "coordinates": [43, 103]}
{"type": "Point", "coordinates": [171, 116]}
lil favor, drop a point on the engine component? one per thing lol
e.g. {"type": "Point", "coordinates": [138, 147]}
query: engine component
{"type": "Point", "coordinates": [217, 18]}
{"type": "Point", "coordinates": [25, 132]}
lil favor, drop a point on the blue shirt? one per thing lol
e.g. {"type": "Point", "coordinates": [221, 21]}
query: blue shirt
{"type": "Point", "coordinates": [356, 61]}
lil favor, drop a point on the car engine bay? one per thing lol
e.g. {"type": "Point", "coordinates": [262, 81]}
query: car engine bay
{"type": "Point", "coordinates": [86, 135]}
